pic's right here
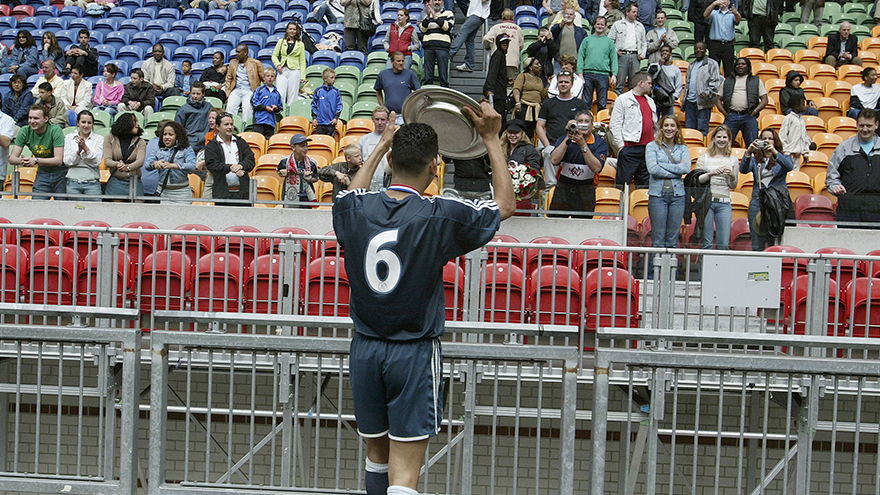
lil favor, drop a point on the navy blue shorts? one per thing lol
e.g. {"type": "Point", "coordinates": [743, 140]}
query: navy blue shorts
{"type": "Point", "coordinates": [397, 388]}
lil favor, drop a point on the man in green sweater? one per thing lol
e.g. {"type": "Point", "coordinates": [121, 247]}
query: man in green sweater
{"type": "Point", "coordinates": [597, 58]}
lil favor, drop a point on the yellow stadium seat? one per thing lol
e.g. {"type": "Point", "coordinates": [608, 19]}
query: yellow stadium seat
{"type": "Point", "coordinates": [773, 87]}
{"type": "Point", "coordinates": [268, 188]}
{"type": "Point", "coordinates": [744, 184]}
{"type": "Point", "coordinates": [799, 183]}
{"type": "Point", "coordinates": [875, 31]}
{"type": "Point", "coordinates": [869, 59]}
{"type": "Point", "coordinates": [322, 145]}
{"type": "Point", "coordinates": [870, 44]}
{"type": "Point", "coordinates": [773, 121]}
{"type": "Point", "coordinates": [755, 55]}
{"type": "Point", "coordinates": [817, 164]}
{"type": "Point", "coordinates": [607, 200]}
{"type": "Point", "coordinates": [695, 152]}
{"type": "Point", "coordinates": [638, 204]}
{"type": "Point", "coordinates": [280, 144]}
{"type": "Point", "coordinates": [844, 127]}
{"type": "Point", "coordinates": [196, 184]}
{"type": "Point", "coordinates": [787, 67]}
{"type": "Point", "coordinates": [739, 204]}
{"type": "Point", "coordinates": [823, 73]}
{"type": "Point", "coordinates": [256, 141]}
{"type": "Point", "coordinates": [807, 57]}
{"type": "Point", "coordinates": [346, 140]}
{"type": "Point", "coordinates": [105, 176]}
{"type": "Point", "coordinates": [815, 125]}
{"type": "Point", "coordinates": [818, 43]}
{"type": "Point", "coordinates": [603, 115]}
{"type": "Point", "coordinates": [715, 119]}
{"type": "Point", "coordinates": [693, 137]}
{"type": "Point", "coordinates": [607, 176]}
{"type": "Point", "coordinates": [779, 57]}
{"type": "Point", "coordinates": [548, 198]}
{"type": "Point", "coordinates": [819, 187]}
{"type": "Point", "coordinates": [359, 127]}
{"type": "Point", "coordinates": [268, 165]}
{"type": "Point", "coordinates": [26, 176]}
{"type": "Point", "coordinates": [827, 107]}
{"type": "Point", "coordinates": [683, 65]}
{"type": "Point", "coordinates": [295, 124]}
{"type": "Point", "coordinates": [770, 109]}
{"type": "Point", "coordinates": [432, 190]}
{"type": "Point", "coordinates": [850, 73]}
{"type": "Point", "coordinates": [765, 71]}
{"type": "Point", "coordinates": [739, 153]}
{"type": "Point", "coordinates": [827, 142]}
{"type": "Point", "coordinates": [840, 91]}
{"type": "Point", "coordinates": [813, 89]}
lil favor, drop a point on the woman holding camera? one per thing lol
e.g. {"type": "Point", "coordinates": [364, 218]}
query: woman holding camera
{"type": "Point", "coordinates": [668, 160]}
{"type": "Point", "coordinates": [768, 166]}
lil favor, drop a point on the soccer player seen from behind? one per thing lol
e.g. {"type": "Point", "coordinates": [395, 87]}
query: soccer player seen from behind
{"type": "Point", "coordinates": [396, 243]}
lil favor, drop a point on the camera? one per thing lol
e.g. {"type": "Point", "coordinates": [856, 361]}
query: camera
{"type": "Point", "coordinates": [574, 126]}
{"type": "Point", "coordinates": [760, 144]}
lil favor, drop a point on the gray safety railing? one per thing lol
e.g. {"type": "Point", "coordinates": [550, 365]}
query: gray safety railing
{"type": "Point", "coordinates": [741, 421]}
{"type": "Point", "coordinates": [241, 412]}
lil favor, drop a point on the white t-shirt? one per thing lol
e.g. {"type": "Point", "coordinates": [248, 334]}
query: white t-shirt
{"type": "Point", "coordinates": [7, 128]}
{"type": "Point", "coordinates": [868, 95]}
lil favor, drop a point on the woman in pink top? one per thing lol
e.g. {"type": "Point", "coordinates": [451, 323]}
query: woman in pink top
{"type": "Point", "coordinates": [108, 93]}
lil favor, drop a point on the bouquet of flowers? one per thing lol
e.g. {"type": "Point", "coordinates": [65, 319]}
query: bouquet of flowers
{"type": "Point", "coordinates": [525, 180]}
{"type": "Point", "coordinates": [600, 129]}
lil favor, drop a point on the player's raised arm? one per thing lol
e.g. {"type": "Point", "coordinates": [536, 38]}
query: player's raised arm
{"type": "Point", "coordinates": [365, 174]}
{"type": "Point", "coordinates": [488, 124]}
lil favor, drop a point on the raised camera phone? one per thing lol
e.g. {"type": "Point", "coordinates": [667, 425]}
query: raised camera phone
{"type": "Point", "coordinates": [574, 126]}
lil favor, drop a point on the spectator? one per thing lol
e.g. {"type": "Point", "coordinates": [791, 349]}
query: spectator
{"type": "Point", "coordinates": [341, 173]}
{"type": "Point", "coordinates": [327, 105]}
{"type": "Point", "coordinates": [230, 160]}
{"type": "Point", "coordinates": [568, 36]}
{"type": "Point", "coordinates": [577, 157]}
{"type": "Point", "coordinates": [208, 5]}
{"type": "Point", "coordinates": [289, 58]}
{"type": "Point", "coordinates": [83, 54]}
{"type": "Point", "coordinates": [51, 50]}
{"type": "Point", "coordinates": [4, 58]}
{"type": "Point", "coordinates": [659, 37]}
{"type": "Point", "coordinates": [327, 12]}
{"type": "Point", "coordinates": [864, 95]}
{"type": "Point", "coordinates": [243, 77]}
{"type": "Point", "coordinates": [150, 178]}
{"type": "Point", "coordinates": [849, 174]}
{"type": "Point", "coordinates": [648, 10]}
{"type": "Point", "coordinates": [792, 91]}
{"type": "Point", "coordinates": [843, 47]}
{"type": "Point", "coordinates": [49, 76]}
{"type": "Point", "coordinates": [24, 59]}
{"type": "Point", "coordinates": [567, 63]}
{"type": "Point", "coordinates": [667, 82]}
{"type": "Point", "coordinates": [436, 29]}
{"type": "Point", "coordinates": [76, 92]}
{"type": "Point", "coordinates": [267, 105]}
{"type": "Point", "coordinates": [83, 152]}
{"type": "Point", "coordinates": [124, 155]}
{"type": "Point", "coordinates": [183, 82]}
{"type": "Point", "coordinates": [299, 172]}
{"type": "Point", "coordinates": [629, 39]}
{"type": "Point", "coordinates": [208, 187]}
{"type": "Point", "coordinates": [695, 16]}
{"type": "Point", "coordinates": [46, 143]}
{"type": "Point", "coordinates": [18, 100]}
{"type": "Point", "coordinates": [193, 117]}
{"type": "Point", "coordinates": [214, 77]}
{"type": "Point", "coordinates": [54, 107]}
{"type": "Point", "coordinates": [723, 18]}
{"type": "Point", "coordinates": [368, 142]}
{"type": "Point", "coordinates": [495, 87]}
{"type": "Point", "coordinates": [401, 37]}
{"type": "Point", "coordinates": [612, 12]}
{"type": "Point", "coordinates": [597, 58]}
{"type": "Point", "coordinates": [520, 150]}
{"type": "Point", "coordinates": [394, 85]}
{"type": "Point", "coordinates": [667, 160]}
{"type": "Point", "coordinates": [159, 73]}
{"type": "Point", "coordinates": [7, 134]}
{"type": "Point", "coordinates": [478, 12]}
{"type": "Point", "coordinates": [592, 10]}
{"type": "Point", "coordinates": [637, 109]}
{"type": "Point", "coordinates": [544, 50]}
{"type": "Point", "coordinates": [817, 8]}
{"type": "Point", "coordinates": [793, 134]}
{"type": "Point", "coordinates": [138, 95]}
{"type": "Point", "coordinates": [743, 97]}
{"type": "Point", "coordinates": [553, 119]}
{"type": "Point", "coordinates": [507, 26]}
{"type": "Point", "coordinates": [768, 166]}
{"type": "Point", "coordinates": [702, 84]}
{"type": "Point", "coordinates": [108, 93]}
{"type": "Point", "coordinates": [174, 159]}
{"type": "Point", "coordinates": [763, 17]}
{"type": "Point", "coordinates": [359, 24]}
{"type": "Point", "coordinates": [720, 172]}
{"type": "Point", "coordinates": [553, 8]}
{"type": "Point", "coordinates": [528, 93]}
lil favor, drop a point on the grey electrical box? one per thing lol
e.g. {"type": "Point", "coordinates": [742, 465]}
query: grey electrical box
{"type": "Point", "coordinates": [741, 281]}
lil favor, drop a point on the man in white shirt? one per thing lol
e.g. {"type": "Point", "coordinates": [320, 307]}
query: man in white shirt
{"type": "Point", "coordinates": [159, 72]}
{"type": "Point", "coordinates": [637, 109]}
{"type": "Point", "coordinates": [368, 143]}
{"type": "Point", "coordinates": [478, 12]}
{"type": "Point", "coordinates": [632, 46]}
{"type": "Point", "coordinates": [865, 95]}
{"type": "Point", "coordinates": [7, 132]}
{"type": "Point", "coordinates": [83, 152]}
{"type": "Point", "coordinates": [52, 78]}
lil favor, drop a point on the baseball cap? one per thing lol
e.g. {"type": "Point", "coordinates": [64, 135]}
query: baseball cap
{"type": "Point", "coordinates": [516, 125]}
{"type": "Point", "coordinates": [502, 37]}
{"type": "Point", "coordinates": [299, 138]}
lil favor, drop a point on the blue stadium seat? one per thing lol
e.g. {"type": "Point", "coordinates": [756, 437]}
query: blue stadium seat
{"type": "Point", "coordinates": [326, 57]}
{"type": "Point", "coordinates": [117, 39]}
{"type": "Point", "coordinates": [83, 23]}
{"type": "Point", "coordinates": [237, 28]}
{"type": "Point", "coordinates": [94, 80]}
{"type": "Point", "coordinates": [314, 29]}
{"type": "Point", "coordinates": [194, 15]}
{"type": "Point", "coordinates": [353, 58]}
{"type": "Point", "coordinates": [31, 80]}
{"type": "Point", "coordinates": [67, 37]}
{"type": "Point", "coordinates": [124, 68]}
{"type": "Point", "coordinates": [416, 10]}
{"type": "Point", "coordinates": [231, 53]}
{"type": "Point", "coordinates": [526, 10]}
{"type": "Point", "coordinates": [144, 41]}
{"type": "Point", "coordinates": [262, 28]}
{"type": "Point", "coordinates": [280, 27]}
{"type": "Point", "coordinates": [131, 54]}
{"type": "Point", "coordinates": [169, 15]}
{"type": "Point", "coordinates": [120, 13]}
{"type": "Point", "coordinates": [7, 36]}
{"type": "Point", "coordinates": [278, 6]}
{"type": "Point", "coordinates": [254, 42]}
{"type": "Point", "coordinates": [210, 27]}
{"type": "Point", "coordinates": [528, 22]}
{"type": "Point", "coordinates": [71, 12]}
{"type": "Point", "coordinates": [292, 16]}
{"type": "Point", "coordinates": [132, 26]}
{"type": "Point", "coordinates": [219, 15]}
{"type": "Point", "coordinates": [183, 27]}
{"type": "Point", "coordinates": [225, 42]}
{"type": "Point", "coordinates": [208, 53]}
{"type": "Point", "coordinates": [144, 13]}
{"type": "Point", "coordinates": [106, 25]}
{"type": "Point", "coordinates": [30, 23]}
{"type": "Point", "coordinates": [199, 41]}
{"type": "Point", "coordinates": [243, 15]}
{"type": "Point", "coordinates": [380, 32]}
{"type": "Point", "coordinates": [135, 4]}
{"type": "Point", "coordinates": [56, 24]}
{"type": "Point", "coordinates": [47, 12]}
{"type": "Point", "coordinates": [199, 67]}
{"type": "Point", "coordinates": [337, 27]}
{"type": "Point", "coordinates": [157, 26]}
{"type": "Point", "coordinates": [391, 7]}
{"type": "Point", "coordinates": [186, 53]}
{"type": "Point", "coordinates": [270, 16]}
{"type": "Point", "coordinates": [108, 51]}
{"type": "Point", "coordinates": [137, 65]}
{"type": "Point", "coordinates": [299, 7]}
{"type": "Point", "coordinates": [265, 56]}
{"type": "Point", "coordinates": [170, 41]}
{"type": "Point", "coordinates": [123, 79]}
{"type": "Point", "coordinates": [8, 22]}
{"type": "Point", "coordinates": [377, 45]}
{"type": "Point", "coordinates": [96, 37]}
{"type": "Point", "coordinates": [389, 18]}
{"type": "Point", "coordinates": [254, 6]}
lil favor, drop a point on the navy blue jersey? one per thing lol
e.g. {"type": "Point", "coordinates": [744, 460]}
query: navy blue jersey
{"type": "Point", "coordinates": [395, 251]}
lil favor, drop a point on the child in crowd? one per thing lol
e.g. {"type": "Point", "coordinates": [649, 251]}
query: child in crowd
{"type": "Point", "coordinates": [57, 112]}
{"type": "Point", "coordinates": [793, 133]}
{"type": "Point", "coordinates": [184, 81]}
{"type": "Point", "coordinates": [267, 105]}
{"type": "Point", "coordinates": [340, 174]}
{"type": "Point", "coordinates": [327, 105]}
{"type": "Point", "coordinates": [299, 173]}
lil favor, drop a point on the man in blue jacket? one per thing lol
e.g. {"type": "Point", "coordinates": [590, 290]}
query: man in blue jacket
{"type": "Point", "coordinates": [193, 116]}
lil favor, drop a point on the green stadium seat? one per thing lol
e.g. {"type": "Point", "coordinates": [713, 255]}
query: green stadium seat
{"type": "Point", "coordinates": [827, 29]}
{"type": "Point", "coordinates": [104, 131]}
{"type": "Point", "coordinates": [686, 38]}
{"type": "Point", "coordinates": [215, 102]}
{"type": "Point", "coordinates": [172, 103]}
{"type": "Point", "coordinates": [808, 30]}
{"type": "Point", "coordinates": [861, 31]}
{"type": "Point", "coordinates": [674, 14]}
{"type": "Point", "coordinates": [365, 92]}
{"type": "Point", "coordinates": [680, 26]}
{"type": "Point", "coordinates": [349, 74]}
{"type": "Point", "coordinates": [377, 59]}
{"type": "Point", "coordinates": [370, 75]}
{"type": "Point", "coordinates": [346, 112]}
{"type": "Point", "coordinates": [300, 108]}
{"type": "Point", "coordinates": [792, 43]}
{"type": "Point", "coordinates": [313, 74]}
{"type": "Point", "coordinates": [347, 90]}
{"type": "Point", "coordinates": [363, 109]}
{"type": "Point", "coordinates": [784, 29]}
{"type": "Point", "coordinates": [790, 17]}
{"type": "Point", "coordinates": [832, 12]}
{"type": "Point", "coordinates": [688, 54]}
{"type": "Point", "coordinates": [102, 118]}
{"type": "Point", "coordinates": [857, 8]}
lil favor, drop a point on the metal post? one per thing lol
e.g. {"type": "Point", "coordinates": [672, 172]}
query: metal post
{"type": "Point", "coordinates": [473, 284]}
{"type": "Point", "coordinates": [754, 418]}
{"type": "Point", "coordinates": [107, 267]}
{"type": "Point", "coordinates": [467, 448]}
{"type": "Point", "coordinates": [600, 424]}
{"type": "Point", "coordinates": [806, 419]}
{"type": "Point", "coordinates": [569, 408]}
{"type": "Point", "coordinates": [158, 419]}
{"type": "Point", "coordinates": [132, 187]}
{"type": "Point", "coordinates": [658, 406]}
{"type": "Point", "coordinates": [128, 442]}
{"type": "Point", "coordinates": [4, 419]}
{"type": "Point", "coordinates": [664, 286]}
{"type": "Point", "coordinates": [284, 392]}
{"type": "Point", "coordinates": [290, 248]}
{"type": "Point", "coordinates": [16, 183]}
{"type": "Point", "coordinates": [817, 270]}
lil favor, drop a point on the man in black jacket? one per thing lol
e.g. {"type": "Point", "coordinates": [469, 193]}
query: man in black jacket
{"type": "Point", "coordinates": [849, 174]}
{"type": "Point", "coordinates": [701, 24]}
{"type": "Point", "coordinates": [495, 86]}
{"type": "Point", "coordinates": [82, 54]}
{"type": "Point", "coordinates": [843, 47]}
{"type": "Point", "coordinates": [230, 175]}
{"type": "Point", "coordinates": [763, 17]}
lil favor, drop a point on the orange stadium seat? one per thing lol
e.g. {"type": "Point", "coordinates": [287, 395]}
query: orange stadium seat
{"type": "Point", "coordinates": [765, 71]}
{"type": "Point", "coordinates": [840, 91]}
{"type": "Point", "coordinates": [745, 184]}
{"type": "Point", "coordinates": [359, 127]}
{"type": "Point", "coordinates": [739, 203]}
{"type": "Point", "coordinates": [755, 55]}
{"type": "Point", "coordinates": [815, 125]}
{"type": "Point", "coordinates": [607, 199]}
{"type": "Point", "coordinates": [279, 144]}
{"type": "Point", "coordinates": [603, 116]}
{"type": "Point", "coordinates": [845, 127]}
{"type": "Point", "coordinates": [807, 57]}
{"type": "Point", "coordinates": [715, 119]}
{"type": "Point", "coordinates": [875, 31]}
{"type": "Point", "coordinates": [823, 73]}
{"type": "Point", "coordinates": [268, 188]}
{"type": "Point", "coordinates": [869, 59]}
{"type": "Point", "coordinates": [813, 89]}
{"type": "Point", "coordinates": [770, 109]}
{"type": "Point", "coordinates": [870, 44]}
{"type": "Point", "coordinates": [695, 152]}
{"type": "Point", "coordinates": [256, 141]}
{"type": "Point", "coordinates": [779, 57]}
{"type": "Point", "coordinates": [346, 140]}
{"type": "Point", "coordinates": [606, 176]}
{"type": "Point", "coordinates": [818, 43]}
{"type": "Point", "coordinates": [798, 184]}
{"type": "Point", "coordinates": [773, 121]}
{"type": "Point", "coordinates": [828, 107]}
{"type": "Point", "coordinates": [196, 184]}
{"type": "Point", "coordinates": [827, 142]}
{"type": "Point", "coordinates": [683, 65]}
{"type": "Point", "coordinates": [268, 164]}
{"type": "Point", "coordinates": [819, 187]}
{"type": "Point", "coordinates": [638, 204]}
{"type": "Point", "coordinates": [784, 69]}
{"type": "Point", "coordinates": [295, 124]}
{"type": "Point", "coordinates": [322, 145]}
{"type": "Point", "coordinates": [850, 73]}
{"type": "Point", "coordinates": [818, 163]}
{"type": "Point", "coordinates": [773, 86]}
{"type": "Point", "coordinates": [693, 137]}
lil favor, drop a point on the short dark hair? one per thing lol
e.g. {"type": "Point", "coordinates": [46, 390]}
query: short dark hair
{"type": "Point", "coordinates": [18, 77]}
{"type": "Point", "coordinates": [42, 108]}
{"type": "Point", "coordinates": [137, 71]}
{"type": "Point", "coordinates": [866, 71]}
{"type": "Point", "coordinates": [123, 125]}
{"type": "Point", "coordinates": [84, 113]}
{"type": "Point", "coordinates": [748, 63]}
{"type": "Point", "coordinates": [796, 100]}
{"type": "Point", "coordinates": [198, 85]}
{"type": "Point", "coordinates": [46, 87]}
{"type": "Point", "coordinates": [84, 31]}
{"type": "Point", "coordinates": [869, 113]}
{"type": "Point", "coordinates": [414, 146]}
{"type": "Point", "coordinates": [639, 77]}
{"type": "Point", "coordinates": [79, 68]}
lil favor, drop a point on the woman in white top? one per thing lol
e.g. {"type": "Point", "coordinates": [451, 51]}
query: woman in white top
{"type": "Point", "coordinates": [721, 175]}
{"type": "Point", "coordinates": [865, 95]}
{"type": "Point", "coordinates": [83, 152]}
{"type": "Point", "coordinates": [76, 92]}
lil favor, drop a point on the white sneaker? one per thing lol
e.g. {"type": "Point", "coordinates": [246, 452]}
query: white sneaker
{"type": "Point", "coordinates": [464, 68]}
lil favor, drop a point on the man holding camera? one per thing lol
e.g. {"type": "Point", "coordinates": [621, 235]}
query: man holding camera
{"type": "Point", "coordinates": [577, 157]}
{"type": "Point", "coordinates": [553, 120]}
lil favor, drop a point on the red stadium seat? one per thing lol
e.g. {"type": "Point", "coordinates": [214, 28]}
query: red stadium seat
{"type": "Point", "coordinates": [596, 258]}
{"type": "Point", "coordinates": [327, 290]}
{"type": "Point", "coordinates": [814, 207]}
{"type": "Point", "coordinates": [870, 268]}
{"type": "Point", "coordinates": [453, 290]}
{"type": "Point", "coordinates": [272, 247]}
{"type": "Point", "coordinates": [244, 247]}
{"type": "Point", "coordinates": [327, 249]}
{"type": "Point", "coordinates": [645, 233]}
{"type": "Point", "coordinates": [740, 236]}
{"type": "Point", "coordinates": [862, 299]}
{"type": "Point", "coordinates": [139, 246]}
{"type": "Point", "coordinates": [505, 255]}
{"type": "Point", "coordinates": [504, 300]}
{"type": "Point", "coordinates": [263, 289]}
{"type": "Point", "coordinates": [166, 280]}
{"type": "Point", "coordinates": [194, 246]}
{"type": "Point", "coordinates": [218, 282]}
{"type": "Point", "coordinates": [555, 296]}
{"type": "Point", "coordinates": [842, 271]}
{"type": "Point", "coordinates": [7, 236]}
{"type": "Point", "coordinates": [536, 257]}
{"type": "Point", "coordinates": [53, 271]}
{"type": "Point", "coordinates": [35, 239]}
{"type": "Point", "coordinates": [14, 267]}
{"type": "Point", "coordinates": [87, 280]}
{"type": "Point", "coordinates": [612, 299]}
{"type": "Point", "coordinates": [791, 267]}
{"type": "Point", "coordinates": [632, 232]}
{"type": "Point", "coordinates": [796, 307]}
{"type": "Point", "coordinates": [83, 242]}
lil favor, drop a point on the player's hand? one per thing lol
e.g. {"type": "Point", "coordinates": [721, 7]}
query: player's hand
{"type": "Point", "coordinates": [488, 122]}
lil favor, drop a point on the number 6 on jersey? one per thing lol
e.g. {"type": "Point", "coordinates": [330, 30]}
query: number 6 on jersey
{"type": "Point", "coordinates": [376, 255]}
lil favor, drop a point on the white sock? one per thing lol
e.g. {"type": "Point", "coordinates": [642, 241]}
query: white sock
{"type": "Point", "coordinates": [401, 490]}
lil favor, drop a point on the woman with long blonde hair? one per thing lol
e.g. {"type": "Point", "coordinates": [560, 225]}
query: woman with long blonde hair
{"type": "Point", "coordinates": [721, 175]}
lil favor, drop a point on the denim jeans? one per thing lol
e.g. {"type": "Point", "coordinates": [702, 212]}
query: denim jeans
{"type": "Point", "coordinates": [49, 183]}
{"type": "Point", "coordinates": [599, 83]}
{"type": "Point", "coordinates": [324, 14]}
{"type": "Point", "coordinates": [466, 36]}
{"type": "Point", "coordinates": [666, 212]}
{"type": "Point", "coordinates": [231, 7]}
{"type": "Point", "coordinates": [694, 118]}
{"type": "Point", "coordinates": [745, 123]}
{"type": "Point", "coordinates": [440, 60]}
{"type": "Point", "coordinates": [717, 225]}
{"type": "Point", "coordinates": [91, 188]}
